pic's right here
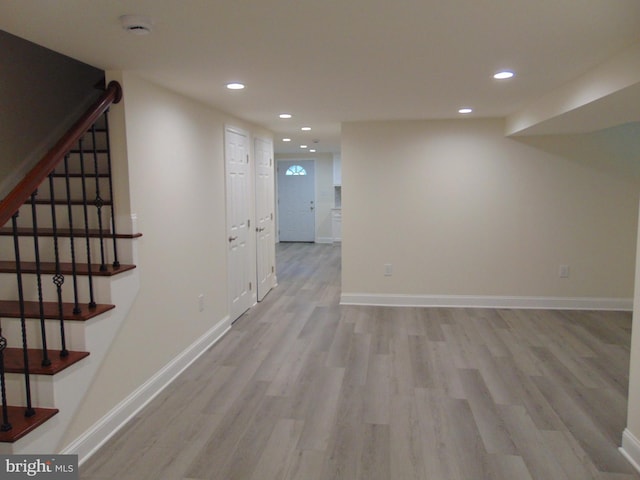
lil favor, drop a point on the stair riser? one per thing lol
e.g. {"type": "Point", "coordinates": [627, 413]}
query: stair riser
{"type": "Point", "coordinates": [46, 248]}
{"type": "Point", "coordinates": [44, 218]}
{"type": "Point", "coordinates": [101, 288]}
{"type": "Point", "coordinates": [42, 394]}
{"type": "Point", "coordinates": [12, 331]}
{"type": "Point", "coordinates": [46, 390]}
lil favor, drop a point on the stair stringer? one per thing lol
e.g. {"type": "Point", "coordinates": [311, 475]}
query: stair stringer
{"type": "Point", "coordinates": [66, 390]}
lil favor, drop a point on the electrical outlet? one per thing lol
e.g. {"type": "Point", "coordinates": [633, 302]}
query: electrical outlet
{"type": "Point", "coordinates": [201, 302]}
{"type": "Point", "coordinates": [388, 269]}
{"type": "Point", "coordinates": [563, 271]}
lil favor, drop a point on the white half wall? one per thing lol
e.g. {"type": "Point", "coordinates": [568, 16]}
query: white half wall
{"type": "Point", "coordinates": [631, 436]}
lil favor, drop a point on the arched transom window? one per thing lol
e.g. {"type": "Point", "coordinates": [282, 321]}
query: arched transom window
{"type": "Point", "coordinates": [296, 170]}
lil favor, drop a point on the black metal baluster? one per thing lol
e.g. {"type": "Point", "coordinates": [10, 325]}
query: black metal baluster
{"type": "Point", "coordinates": [92, 302]}
{"type": "Point", "coordinates": [58, 277]}
{"type": "Point", "coordinates": [74, 273]}
{"type": "Point", "coordinates": [29, 411]}
{"type": "Point", "coordinates": [36, 249]}
{"type": "Point", "coordinates": [98, 202]}
{"type": "Point", "coordinates": [116, 261]}
{"type": "Point", "coordinates": [6, 425]}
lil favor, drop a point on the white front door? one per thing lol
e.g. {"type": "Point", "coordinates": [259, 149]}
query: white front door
{"type": "Point", "coordinates": [241, 255]}
{"type": "Point", "coordinates": [296, 200]}
{"type": "Point", "coordinates": [265, 243]}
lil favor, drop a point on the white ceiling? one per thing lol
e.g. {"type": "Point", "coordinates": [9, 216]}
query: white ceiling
{"type": "Point", "coordinates": [329, 61]}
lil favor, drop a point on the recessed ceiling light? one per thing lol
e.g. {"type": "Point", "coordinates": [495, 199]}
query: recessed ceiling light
{"type": "Point", "coordinates": [303, 146]}
{"type": "Point", "coordinates": [137, 24]}
{"type": "Point", "coordinates": [465, 110]}
{"type": "Point", "coordinates": [305, 129]}
{"type": "Point", "coordinates": [285, 115]}
{"type": "Point", "coordinates": [235, 86]}
{"type": "Point", "coordinates": [503, 75]}
{"type": "Point", "coordinates": [312, 150]}
{"type": "Point", "coordinates": [286, 139]}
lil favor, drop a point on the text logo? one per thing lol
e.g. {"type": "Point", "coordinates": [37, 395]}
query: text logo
{"type": "Point", "coordinates": [50, 467]}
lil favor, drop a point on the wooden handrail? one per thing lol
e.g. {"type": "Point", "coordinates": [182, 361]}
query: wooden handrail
{"type": "Point", "coordinates": [32, 180]}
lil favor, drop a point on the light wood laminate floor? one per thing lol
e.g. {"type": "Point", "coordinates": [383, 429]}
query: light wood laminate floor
{"type": "Point", "coordinates": [302, 388]}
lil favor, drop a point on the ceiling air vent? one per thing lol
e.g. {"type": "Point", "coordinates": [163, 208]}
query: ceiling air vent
{"type": "Point", "coordinates": [136, 24]}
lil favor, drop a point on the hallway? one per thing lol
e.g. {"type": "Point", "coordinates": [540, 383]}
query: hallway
{"type": "Point", "coordinates": [302, 388]}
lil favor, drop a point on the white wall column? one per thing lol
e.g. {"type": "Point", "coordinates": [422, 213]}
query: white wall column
{"type": "Point", "coordinates": [631, 436]}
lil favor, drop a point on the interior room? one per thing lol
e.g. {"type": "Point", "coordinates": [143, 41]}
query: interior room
{"type": "Point", "coordinates": [362, 240]}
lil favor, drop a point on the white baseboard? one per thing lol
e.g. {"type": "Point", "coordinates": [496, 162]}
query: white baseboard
{"type": "Point", "coordinates": [630, 448]}
{"type": "Point", "coordinates": [90, 441]}
{"type": "Point", "coordinates": [324, 240]}
{"type": "Point", "coordinates": [480, 301]}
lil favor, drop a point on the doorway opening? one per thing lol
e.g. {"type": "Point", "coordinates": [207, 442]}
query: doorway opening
{"type": "Point", "coordinates": [296, 200]}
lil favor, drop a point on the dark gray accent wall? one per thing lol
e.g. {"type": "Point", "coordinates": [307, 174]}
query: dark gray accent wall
{"type": "Point", "coordinates": [41, 94]}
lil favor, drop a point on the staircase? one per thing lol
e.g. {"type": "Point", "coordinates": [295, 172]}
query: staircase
{"type": "Point", "coordinates": [59, 262]}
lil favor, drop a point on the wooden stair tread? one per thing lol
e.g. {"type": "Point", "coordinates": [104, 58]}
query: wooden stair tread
{"type": "Point", "coordinates": [49, 268]}
{"type": "Point", "coordinates": [14, 361]}
{"type": "Point", "coordinates": [23, 425]}
{"type": "Point", "coordinates": [11, 309]}
{"type": "Point", "coordinates": [65, 232]}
